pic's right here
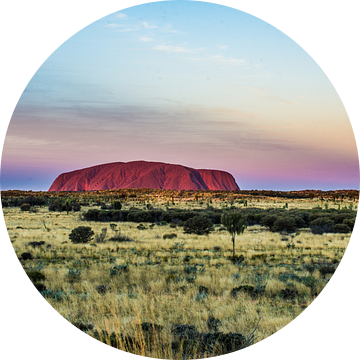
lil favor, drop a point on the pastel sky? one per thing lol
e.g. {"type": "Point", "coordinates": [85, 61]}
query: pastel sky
{"type": "Point", "coordinates": [188, 83]}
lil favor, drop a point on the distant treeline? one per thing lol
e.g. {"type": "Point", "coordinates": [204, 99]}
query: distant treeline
{"type": "Point", "coordinates": [45, 198]}
{"type": "Point", "coordinates": [318, 220]}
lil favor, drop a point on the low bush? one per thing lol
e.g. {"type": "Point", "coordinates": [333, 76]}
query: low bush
{"type": "Point", "coordinates": [27, 256]}
{"type": "Point", "coordinates": [169, 236]}
{"type": "Point", "coordinates": [350, 223]}
{"type": "Point", "coordinates": [237, 259]}
{"type": "Point", "coordinates": [64, 207]}
{"type": "Point", "coordinates": [117, 205]}
{"type": "Point", "coordinates": [342, 228]}
{"type": "Point", "coordinates": [120, 238]}
{"type": "Point", "coordinates": [323, 220]}
{"type": "Point", "coordinates": [91, 215]}
{"type": "Point", "coordinates": [199, 225]}
{"type": "Point", "coordinates": [36, 276]}
{"type": "Point", "coordinates": [299, 222]}
{"type": "Point", "coordinates": [139, 216]}
{"type": "Point", "coordinates": [322, 225]}
{"type": "Point", "coordinates": [81, 235]}
{"type": "Point", "coordinates": [268, 221]}
{"type": "Point", "coordinates": [176, 216]}
{"type": "Point", "coordinates": [287, 224]}
{"type": "Point", "coordinates": [25, 207]}
{"type": "Point", "coordinates": [33, 201]}
{"type": "Point", "coordinates": [141, 227]}
{"type": "Point", "coordinates": [341, 217]}
{"type": "Point", "coordinates": [76, 207]}
{"type": "Point", "coordinates": [254, 219]}
{"type": "Point", "coordinates": [321, 229]}
{"type": "Point", "coordinates": [35, 244]}
{"type": "Point", "coordinates": [105, 216]}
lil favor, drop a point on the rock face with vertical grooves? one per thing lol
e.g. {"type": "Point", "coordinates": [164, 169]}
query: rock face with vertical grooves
{"type": "Point", "coordinates": [143, 174]}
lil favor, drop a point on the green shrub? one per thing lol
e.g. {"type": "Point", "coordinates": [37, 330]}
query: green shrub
{"type": "Point", "coordinates": [156, 215]}
{"type": "Point", "coordinates": [169, 236]}
{"type": "Point", "coordinates": [322, 225]}
{"type": "Point", "coordinates": [215, 217]}
{"type": "Point", "coordinates": [35, 244]}
{"type": "Point", "coordinates": [340, 218]}
{"type": "Point", "coordinates": [81, 235]}
{"type": "Point", "coordinates": [32, 200]}
{"type": "Point", "coordinates": [36, 276]}
{"type": "Point", "coordinates": [113, 227]}
{"type": "Point", "coordinates": [254, 219]}
{"type": "Point", "coordinates": [342, 229]}
{"type": "Point", "coordinates": [139, 216]}
{"type": "Point", "coordinates": [76, 207]}
{"type": "Point", "coordinates": [118, 215]}
{"type": "Point", "coordinates": [61, 207]}
{"type": "Point", "coordinates": [323, 220]}
{"type": "Point", "coordinates": [40, 287]}
{"type": "Point", "coordinates": [314, 216]}
{"type": "Point", "coordinates": [237, 259]}
{"type": "Point", "coordinates": [105, 216]}
{"type": "Point", "coordinates": [92, 215]}
{"type": "Point", "coordinates": [303, 215]}
{"type": "Point", "coordinates": [141, 227]}
{"type": "Point", "coordinates": [350, 223]}
{"type": "Point", "coordinates": [268, 220]}
{"type": "Point", "coordinates": [117, 205]}
{"type": "Point", "coordinates": [25, 207]}
{"type": "Point", "coordinates": [326, 269]}
{"type": "Point", "coordinates": [284, 224]}
{"type": "Point", "coordinates": [199, 225]}
{"type": "Point", "coordinates": [300, 222]}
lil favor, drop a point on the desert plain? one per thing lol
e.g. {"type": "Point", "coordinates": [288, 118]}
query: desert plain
{"type": "Point", "coordinates": [151, 281]}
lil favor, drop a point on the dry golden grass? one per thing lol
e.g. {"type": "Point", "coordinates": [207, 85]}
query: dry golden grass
{"type": "Point", "coordinates": [147, 293]}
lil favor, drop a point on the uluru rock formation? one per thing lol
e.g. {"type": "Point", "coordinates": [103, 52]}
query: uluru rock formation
{"type": "Point", "coordinates": [143, 174]}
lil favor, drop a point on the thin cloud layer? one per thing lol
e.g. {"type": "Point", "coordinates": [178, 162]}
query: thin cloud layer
{"type": "Point", "coordinates": [179, 49]}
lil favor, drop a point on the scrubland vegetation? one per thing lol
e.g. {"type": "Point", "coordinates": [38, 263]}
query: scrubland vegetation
{"type": "Point", "coordinates": [153, 272]}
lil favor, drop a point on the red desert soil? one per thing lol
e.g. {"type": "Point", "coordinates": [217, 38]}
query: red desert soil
{"type": "Point", "coordinates": [143, 174]}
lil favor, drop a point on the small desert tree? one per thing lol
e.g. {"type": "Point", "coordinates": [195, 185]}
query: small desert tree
{"type": "Point", "coordinates": [235, 223]}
